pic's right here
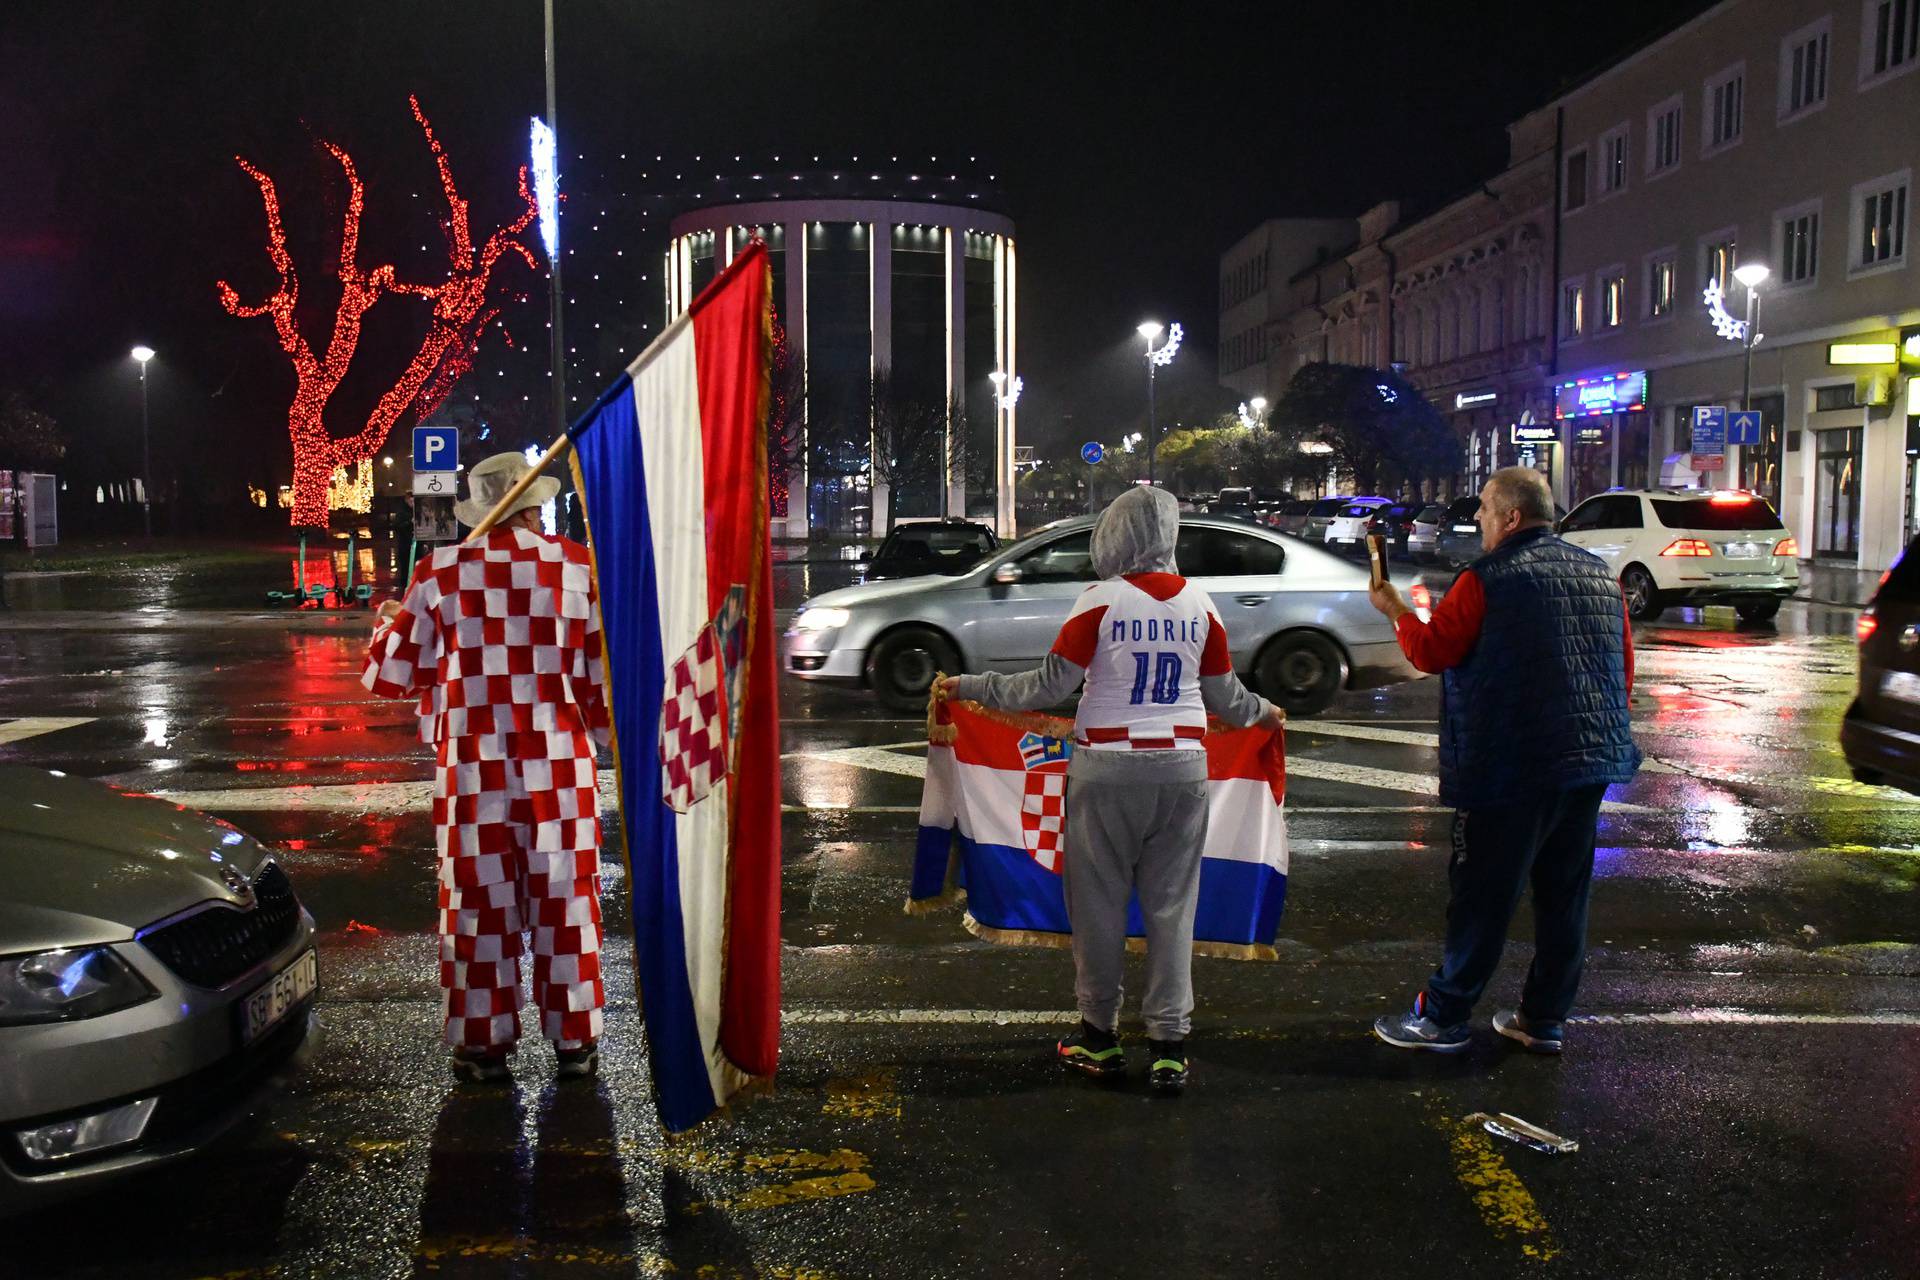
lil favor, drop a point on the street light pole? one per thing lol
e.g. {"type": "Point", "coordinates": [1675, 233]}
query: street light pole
{"type": "Point", "coordinates": [1156, 356]}
{"type": "Point", "coordinates": [556, 346]}
{"type": "Point", "coordinates": [1153, 428]}
{"type": "Point", "coordinates": [1746, 372]}
{"type": "Point", "coordinates": [141, 355]}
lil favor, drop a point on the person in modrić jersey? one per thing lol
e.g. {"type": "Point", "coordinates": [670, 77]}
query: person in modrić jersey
{"type": "Point", "coordinates": [1153, 656]}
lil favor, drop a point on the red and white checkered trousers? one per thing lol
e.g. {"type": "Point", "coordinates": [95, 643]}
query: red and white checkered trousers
{"type": "Point", "coordinates": [516, 818]}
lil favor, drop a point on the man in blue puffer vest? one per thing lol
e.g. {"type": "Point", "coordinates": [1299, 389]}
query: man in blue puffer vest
{"type": "Point", "coordinates": [1536, 657]}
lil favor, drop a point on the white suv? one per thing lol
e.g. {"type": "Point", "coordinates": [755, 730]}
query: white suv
{"type": "Point", "coordinates": [1348, 528]}
{"type": "Point", "coordinates": [1690, 546]}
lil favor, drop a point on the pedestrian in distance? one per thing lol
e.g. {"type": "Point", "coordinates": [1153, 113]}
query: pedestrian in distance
{"type": "Point", "coordinates": [1535, 654]}
{"type": "Point", "coordinates": [499, 640]}
{"type": "Point", "coordinates": [1153, 657]}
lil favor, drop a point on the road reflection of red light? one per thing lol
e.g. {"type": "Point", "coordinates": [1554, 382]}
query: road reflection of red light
{"type": "Point", "coordinates": [354, 926]}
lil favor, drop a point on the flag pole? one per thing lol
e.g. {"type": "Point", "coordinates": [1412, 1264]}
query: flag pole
{"type": "Point", "coordinates": [520, 486]}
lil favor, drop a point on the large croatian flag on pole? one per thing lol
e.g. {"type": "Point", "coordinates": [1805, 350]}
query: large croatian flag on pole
{"type": "Point", "coordinates": [671, 463]}
{"type": "Point", "coordinates": [993, 827]}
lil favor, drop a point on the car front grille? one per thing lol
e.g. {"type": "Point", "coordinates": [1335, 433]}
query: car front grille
{"type": "Point", "coordinates": [213, 947]}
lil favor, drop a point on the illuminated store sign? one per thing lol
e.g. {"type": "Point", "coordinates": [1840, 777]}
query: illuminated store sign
{"type": "Point", "coordinates": [1473, 399]}
{"type": "Point", "coordinates": [1535, 433]}
{"type": "Point", "coordinates": [1587, 397]}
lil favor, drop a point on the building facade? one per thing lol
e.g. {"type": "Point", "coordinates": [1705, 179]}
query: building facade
{"type": "Point", "coordinates": [918, 293]}
{"type": "Point", "coordinates": [1254, 296]}
{"type": "Point", "coordinates": [1777, 132]}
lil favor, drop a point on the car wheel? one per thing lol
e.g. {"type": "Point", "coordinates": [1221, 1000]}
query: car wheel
{"type": "Point", "coordinates": [902, 666]}
{"type": "Point", "coordinates": [1643, 598]}
{"type": "Point", "coordinates": [1301, 672]}
{"type": "Point", "coordinates": [1757, 610]}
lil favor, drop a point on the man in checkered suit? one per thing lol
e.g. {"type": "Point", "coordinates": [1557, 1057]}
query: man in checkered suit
{"type": "Point", "coordinates": [499, 640]}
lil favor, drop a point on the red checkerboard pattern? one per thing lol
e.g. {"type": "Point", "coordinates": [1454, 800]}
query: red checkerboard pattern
{"type": "Point", "coordinates": [1043, 814]}
{"type": "Point", "coordinates": [693, 725]}
{"type": "Point", "coordinates": [497, 636]}
{"type": "Point", "coordinates": [516, 818]}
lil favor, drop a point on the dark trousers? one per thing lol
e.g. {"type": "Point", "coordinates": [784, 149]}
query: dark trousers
{"type": "Point", "coordinates": [1495, 852]}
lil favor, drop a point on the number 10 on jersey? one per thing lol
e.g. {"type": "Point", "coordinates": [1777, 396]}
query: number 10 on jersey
{"type": "Point", "coordinates": [1164, 669]}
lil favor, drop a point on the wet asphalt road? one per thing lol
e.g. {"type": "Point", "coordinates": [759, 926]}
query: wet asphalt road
{"type": "Point", "coordinates": [1744, 1084]}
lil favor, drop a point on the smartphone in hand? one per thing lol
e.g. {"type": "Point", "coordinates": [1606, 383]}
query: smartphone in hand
{"type": "Point", "coordinates": [1377, 557]}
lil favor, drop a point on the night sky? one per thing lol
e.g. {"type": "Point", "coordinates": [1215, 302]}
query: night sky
{"type": "Point", "coordinates": [1133, 142]}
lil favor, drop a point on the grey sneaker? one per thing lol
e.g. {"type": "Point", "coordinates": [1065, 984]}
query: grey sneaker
{"type": "Point", "coordinates": [1539, 1037]}
{"type": "Point", "coordinates": [481, 1066]}
{"type": "Point", "coordinates": [584, 1061]}
{"type": "Point", "coordinates": [1415, 1030]}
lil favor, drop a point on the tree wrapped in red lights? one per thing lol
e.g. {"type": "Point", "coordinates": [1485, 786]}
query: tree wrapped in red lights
{"type": "Point", "coordinates": [460, 311]}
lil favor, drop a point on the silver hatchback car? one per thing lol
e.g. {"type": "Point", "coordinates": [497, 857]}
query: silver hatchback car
{"type": "Point", "coordinates": [156, 970]}
{"type": "Point", "coordinates": [1297, 616]}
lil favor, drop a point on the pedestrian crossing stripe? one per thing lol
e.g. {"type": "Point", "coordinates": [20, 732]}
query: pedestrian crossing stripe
{"type": "Point", "coordinates": [33, 726]}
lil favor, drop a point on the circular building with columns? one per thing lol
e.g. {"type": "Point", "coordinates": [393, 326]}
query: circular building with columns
{"type": "Point", "coordinates": [894, 288]}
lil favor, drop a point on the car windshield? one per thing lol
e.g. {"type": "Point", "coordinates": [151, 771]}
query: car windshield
{"type": "Point", "coordinates": [1359, 509]}
{"type": "Point", "coordinates": [1326, 506]}
{"type": "Point", "coordinates": [1429, 515]}
{"type": "Point", "coordinates": [1463, 508]}
{"type": "Point", "coordinates": [941, 540]}
{"type": "Point", "coordinates": [1732, 514]}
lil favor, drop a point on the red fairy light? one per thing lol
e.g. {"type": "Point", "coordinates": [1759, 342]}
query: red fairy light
{"type": "Point", "coordinates": [460, 312]}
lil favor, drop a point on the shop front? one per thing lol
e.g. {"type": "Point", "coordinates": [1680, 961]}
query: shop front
{"type": "Point", "coordinates": [1602, 424]}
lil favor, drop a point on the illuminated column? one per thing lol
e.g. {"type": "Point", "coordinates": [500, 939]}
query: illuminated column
{"type": "Point", "coordinates": [1005, 510]}
{"type": "Point", "coordinates": [880, 335]}
{"type": "Point", "coordinates": [956, 354]}
{"type": "Point", "coordinates": [728, 260]}
{"type": "Point", "coordinates": [799, 493]}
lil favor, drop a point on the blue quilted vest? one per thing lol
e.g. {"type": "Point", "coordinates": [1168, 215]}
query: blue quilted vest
{"type": "Point", "coordinates": [1540, 705]}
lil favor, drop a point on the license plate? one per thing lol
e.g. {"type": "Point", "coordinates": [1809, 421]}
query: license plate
{"type": "Point", "coordinates": [1742, 550]}
{"type": "Point", "coordinates": [275, 998]}
{"type": "Point", "coordinates": [1901, 686]}
{"type": "Point", "coordinates": [1466, 528]}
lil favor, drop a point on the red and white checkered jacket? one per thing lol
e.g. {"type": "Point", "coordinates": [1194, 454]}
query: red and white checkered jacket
{"type": "Point", "coordinates": [500, 635]}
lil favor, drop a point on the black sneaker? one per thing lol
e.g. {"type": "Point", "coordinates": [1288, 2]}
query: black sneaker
{"type": "Point", "coordinates": [482, 1066]}
{"type": "Point", "coordinates": [584, 1061]}
{"type": "Point", "coordinates": [1168, 1074]}
{"type": "Point", "coordinates": [1092, 1052]}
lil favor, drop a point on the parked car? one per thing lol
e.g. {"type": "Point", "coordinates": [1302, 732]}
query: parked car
{"type": "Point", "coordinates": [1267, 504]}
{"type": "Point", "coordinates": [156, 970]}
{"type": "Point", "coordinates": [1690, 546]}
{"type": "Point", "coordinates": [931, 546]}
{"type": "Point", "coordinates": [1457, 538]}
{"type": "Point", "coordinates": [1348, 528]}
{"type": "Point", "coordinates": [1291, 516]}
{"type": "Point", "coordinates": [1319, 516]}
{"type": "Point", "coordinates": [1236, 504]}
{"type": "Point", "coordinates": [1423, 534]}
{"type": "Point", "coordinates": [1880, 734]}
{"type": "Point", "coordinates": [1298, 621]}
{"type": "Point", "coordinates": [1394, 522]}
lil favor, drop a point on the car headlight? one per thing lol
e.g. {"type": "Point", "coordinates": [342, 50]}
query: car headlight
{"type": "Point", "coordinates": [64, 985]}
{"type": "Point", "coordinates": [820, 619]}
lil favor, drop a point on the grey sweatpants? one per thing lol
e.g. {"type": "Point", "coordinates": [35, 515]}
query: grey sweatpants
{"type": "Point", "coordinates": [1128, 836]}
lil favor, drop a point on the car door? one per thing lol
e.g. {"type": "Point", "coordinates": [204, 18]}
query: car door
{"type": "Point", "coordinates": [1241, 574]}
{"type": "Point", "coordinates": [1582, 525]}
{"type": "Point", "coordinates": [1018, 621]}
{"type": "Point", "coordinates": [1619, 525]}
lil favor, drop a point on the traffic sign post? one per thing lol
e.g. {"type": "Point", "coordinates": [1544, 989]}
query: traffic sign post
{"type": "Point", "coordinates": [1709, 437]}
{"type": "Point", "coordinates": [435, 483]}
{"type": "Point", "coordinates": [1743, 427]}
{"type": "Point", "coordinates": [1092, 452]}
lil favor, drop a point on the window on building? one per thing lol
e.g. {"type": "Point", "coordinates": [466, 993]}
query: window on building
{"type": "Point", "coordinates": [1661, 287]}
{"type": "Point", "coordinates": [1613, 161]}
{"type": "Point", "coordinates": [1718, 262]}
{"type": "Point", "coordinates": [1613, 300]}
{"type": "Point", "coordinates": [1573, 310]}
{"type": "Point", "coordinates": [1663, 137]}
{"type": "Point", "coordinates": [1892, 36]}
{"type": "Point", "coordinates": [1803, 69]}
{"type": "Point", "coordinates": [1880, 222]}
{"type": "Point", "coordinates": [1576, 188]}
{"type": "Point", "coordinates": [1799, 246]}
{"type": "Point", "coordinates": [1725, 104]}
{"type": "Point", "coordinates": [1827, 399]}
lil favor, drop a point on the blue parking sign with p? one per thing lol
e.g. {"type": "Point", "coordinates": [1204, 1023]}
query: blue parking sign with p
{"type": "Point", "coordinates": [436, 448]}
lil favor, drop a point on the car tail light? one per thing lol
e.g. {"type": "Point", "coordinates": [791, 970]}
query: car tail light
{"type": "Point", "coordinates": [1420, 596]}
{"type": "Point", "coordinates": [1865, 626]}
{"type": "Point", "coordinates": [1687, 547]}
{"type": "Point", "coordinates": [1730, 499]}
{"type": "Point", "coordinates": [1787, 547]}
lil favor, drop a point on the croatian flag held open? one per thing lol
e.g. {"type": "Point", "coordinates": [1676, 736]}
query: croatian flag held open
{"type": "Point", "coordinates": [993, 829]}
{"type": "Point", "coordinates": [671, 463]}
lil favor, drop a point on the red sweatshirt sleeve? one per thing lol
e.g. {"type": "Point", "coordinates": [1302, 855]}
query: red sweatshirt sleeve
{"type": "Point", "coordinates": [1080, 637]}
{"type": "Point", "coordinates": [1626, 620]}
{"type": "Point", "coordinates": [1445, 642]}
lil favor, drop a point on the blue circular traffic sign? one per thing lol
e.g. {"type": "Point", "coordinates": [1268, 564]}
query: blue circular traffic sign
{"type": "Point", "coordinates": [1092, 451]}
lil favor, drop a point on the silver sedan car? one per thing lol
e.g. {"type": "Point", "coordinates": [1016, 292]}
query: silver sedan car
{"type": "Point", "coordinates": [1297, 616]}
{"type": "Point", "coordinates": [156, 970]}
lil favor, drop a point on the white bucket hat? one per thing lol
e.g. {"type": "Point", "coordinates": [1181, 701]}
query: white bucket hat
{"type": "Point", "coordinates": [489, 481]}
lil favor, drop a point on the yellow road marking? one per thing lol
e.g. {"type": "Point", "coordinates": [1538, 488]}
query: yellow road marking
{"type": "Point", "coordinates": [867, 1097]}
{"type": "Point", "coordinates": [1504, 1202]}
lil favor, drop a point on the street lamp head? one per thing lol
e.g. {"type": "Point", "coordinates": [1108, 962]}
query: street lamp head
{"type": "Point", "coordinates": [1259, 404]}
{"type": "Point", "coordinates": [996, 377]}
{"type": "Point", "coordinates": [143, 354]}
{"type": "Point", "coordinates": [1752, 275]}
{"type": "Point", "coordinates": [1149, 330]}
